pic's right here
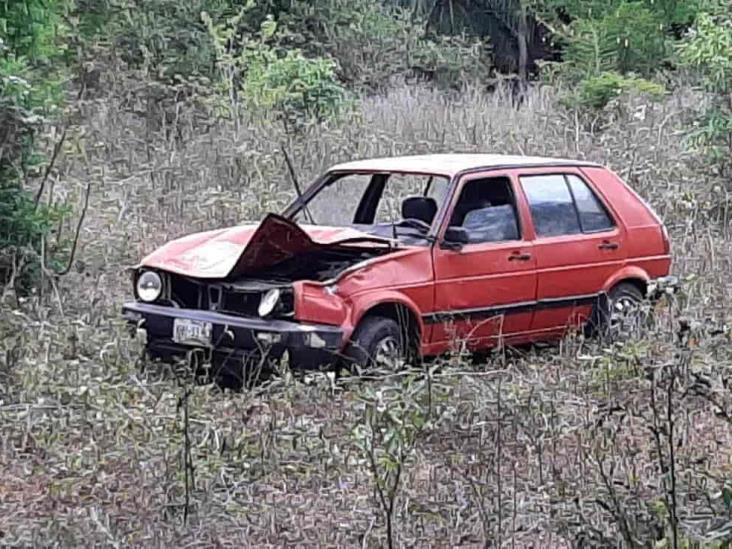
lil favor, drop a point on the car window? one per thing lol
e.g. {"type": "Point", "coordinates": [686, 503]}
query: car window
{"type": "Point", "coordinates": [592, 213]}
{"type": "Point", "coordinates": [336, 203]}
{"type": "Point", "coordinates": [551, 204]}
{"type": "Point", "coordinates": [486, 209]}
{"type": "Point", "coordinates": [399, 187]}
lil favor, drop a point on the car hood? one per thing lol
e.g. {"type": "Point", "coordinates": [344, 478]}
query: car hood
{"type": "Point", "coordinates": [247, 248]}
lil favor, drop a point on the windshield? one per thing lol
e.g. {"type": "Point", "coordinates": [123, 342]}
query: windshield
{"type": "Point", "coordinates": [383, 204]}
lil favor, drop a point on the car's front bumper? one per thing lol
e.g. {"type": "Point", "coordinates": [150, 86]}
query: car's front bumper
{"type": "Point", "coordinates": [235, 337]}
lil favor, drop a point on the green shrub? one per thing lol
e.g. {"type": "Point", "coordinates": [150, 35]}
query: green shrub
{"type": "Point", "coordinates": [167, 37]}
{"type": "Point", "coordinates": [373, 43]}
{"type": "Point", "coordinates": [291, 85]}
{"type": "Point", "coordinates": [31, 71]}
{"type": "Point", "coordinates": [628, 39]}
{"type": "Point", "coordinates": [708, 50]}
{"type": "Point", "coordinates": [279, 81]}
{"type": "Point", "coordinates": [597, 91]}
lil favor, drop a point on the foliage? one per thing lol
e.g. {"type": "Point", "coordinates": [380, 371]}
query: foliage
{"type": "Point", "coordinates": [102, 436]}
{"type": "Point", "coordinates": [368, 42]}
{"type": "Point", "coordinates": [598, 90]}
{"type": "Point", "coordinates": [292, 85]}
{"type": "Point", "coordinates": [670, 11]}
{"type": "Point", "coordinates": [613, 47]}
{"type": "Point", "coordinates": [31, 71]}
{"type": "Point", "coordinates": [271, 79]}
{"type": "Point", "coordinates": [628, 39]}
{"type": "Point", "coordinates": [393, 421]}
{"type": "Point", "coordinates": [708, 50]}
{"type": "Point", "coordinates": [167, 37]}
{"type": "Point", "coordinates": [373, 43]}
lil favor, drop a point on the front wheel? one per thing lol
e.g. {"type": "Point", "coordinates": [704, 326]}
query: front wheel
{"type": "Point", "coordinates": [378, 343]}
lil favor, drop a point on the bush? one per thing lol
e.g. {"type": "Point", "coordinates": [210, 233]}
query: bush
{"type": "Point", "coordinates": [628, 39]}
{"type": "Point", "coordinates": [708, 50]}
{"type": "Point", "coordinates": [267, 78]}
{"type": "Point", "coordinates": [373, 43]}
{"type": "Point", "coordinates": [291, 85]}
{"type": "Point", "coordinates": [29, 57]}
{"type": "Point", "coordinates": [166, 36]}
{"type": "Point", "coordinates": [597, 91]}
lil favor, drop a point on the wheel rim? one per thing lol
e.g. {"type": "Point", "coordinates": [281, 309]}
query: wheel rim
{"type": "Point", "coordinates": [625, 315]}
{"type": "Point", "coordinates": [388, 353]}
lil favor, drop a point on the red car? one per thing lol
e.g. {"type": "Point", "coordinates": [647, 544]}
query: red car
{"type": "Point", "coordinates": [404, 257]}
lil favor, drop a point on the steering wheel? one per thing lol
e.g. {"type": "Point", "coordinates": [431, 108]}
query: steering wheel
{"type": "Point", "coordinates": [415, 223]}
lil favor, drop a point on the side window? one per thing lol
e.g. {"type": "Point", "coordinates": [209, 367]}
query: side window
{"type": "Point", "coordinates": [551, 204]}
{"type": "Point", "coordinates": [487, 209]}
{"type": "Point", "coordinates": [592, 213]}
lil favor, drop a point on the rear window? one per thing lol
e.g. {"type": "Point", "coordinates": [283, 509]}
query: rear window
{"type": "Point", "coordinates": [592, 213]}
{"type": "Point", "coordinates": [563, 204]}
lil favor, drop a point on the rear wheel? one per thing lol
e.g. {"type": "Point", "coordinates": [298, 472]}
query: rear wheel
{"type": "Point", "coordinates": [620, 314]}
{"type": "Point", "coordinates": [379, 343]}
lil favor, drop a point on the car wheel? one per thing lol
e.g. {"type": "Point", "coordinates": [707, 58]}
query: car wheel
{"type": "Point", "coordinates": [378, 344]}
{"type": "Point", "coordinates": [621, 313]}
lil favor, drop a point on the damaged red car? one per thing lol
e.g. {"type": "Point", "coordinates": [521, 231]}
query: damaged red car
{"type": "Point", "coordinates": [400, 258]}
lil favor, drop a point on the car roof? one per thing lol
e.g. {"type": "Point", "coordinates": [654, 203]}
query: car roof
{"type": "Point", "coordinates": [451, 164]}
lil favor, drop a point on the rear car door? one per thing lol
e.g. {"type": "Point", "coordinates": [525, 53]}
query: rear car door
{"type": "Point", "coordinates": [578, 244]}
{"type": "Point", "coordinates": [485, 289]}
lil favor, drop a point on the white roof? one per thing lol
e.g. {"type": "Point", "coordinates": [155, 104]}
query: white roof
{"type": "Point", "coordinates": [450, 164]}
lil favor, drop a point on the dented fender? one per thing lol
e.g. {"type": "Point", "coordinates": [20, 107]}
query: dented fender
{"type": "Point", "coordinates": [319, 302]}
{"type": "Point", "coordinates": [403, 277]}
{"type": "Point", "coordinates": [363, 303]}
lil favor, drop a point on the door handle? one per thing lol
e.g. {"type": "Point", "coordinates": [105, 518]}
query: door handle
{"type": "Point", "coordinates": [518, 256]}
{"type": "Point", "coordinates": [607, 245]}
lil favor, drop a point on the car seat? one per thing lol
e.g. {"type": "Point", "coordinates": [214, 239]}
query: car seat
{"type": "Point", "coordinates": [423, 208]}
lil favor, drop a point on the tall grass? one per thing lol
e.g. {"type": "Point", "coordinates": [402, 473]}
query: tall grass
{"type": "Point", "coordinates": [569, 446]}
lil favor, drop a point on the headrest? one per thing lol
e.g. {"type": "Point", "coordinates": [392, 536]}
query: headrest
{"type": "Point", "coordinates": [419, 207]}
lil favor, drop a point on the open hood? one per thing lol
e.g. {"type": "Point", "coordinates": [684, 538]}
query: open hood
{"type": "Point", "coordinates": [248, 248]}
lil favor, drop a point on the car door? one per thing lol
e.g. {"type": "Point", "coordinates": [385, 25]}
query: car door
{"type": "Point", "coordinates": [485, 289]}
{"type": "Point", "coordinates": [578, 245]}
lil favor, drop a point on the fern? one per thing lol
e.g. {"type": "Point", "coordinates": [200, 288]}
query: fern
{"type": "Point", "coordinates": [590, 50]}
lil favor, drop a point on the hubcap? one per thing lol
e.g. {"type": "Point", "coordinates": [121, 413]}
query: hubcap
{"type": "Point", "coordinates": [388, 353]}
{"type": "Point", "coordinates": [625, 315]}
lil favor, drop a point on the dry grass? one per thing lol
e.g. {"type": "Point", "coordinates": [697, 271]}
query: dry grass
{"type": "Point", "coordinates": [551, 448]}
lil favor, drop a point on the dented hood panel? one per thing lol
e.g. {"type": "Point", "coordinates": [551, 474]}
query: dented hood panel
{"type": "Point", "coordinates": [247, 248]}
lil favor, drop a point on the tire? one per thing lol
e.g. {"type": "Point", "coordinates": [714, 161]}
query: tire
{"type": "Point", "coordinates": [619, 312]}
{"type": "Point", "coordinates": [378, 343]}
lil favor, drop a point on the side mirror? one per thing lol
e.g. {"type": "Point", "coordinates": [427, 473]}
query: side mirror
{"type": "Point", "coordinates": [455, 238]}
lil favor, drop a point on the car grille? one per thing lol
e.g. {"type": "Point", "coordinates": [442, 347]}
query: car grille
{"type": "Point", "coordinates": [193, 294]}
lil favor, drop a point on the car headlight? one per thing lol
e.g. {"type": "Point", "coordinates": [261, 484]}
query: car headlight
{"type": "Point", "coordinates": [268, 302]}
{"type": "Point", "coordinates": [149, 286]}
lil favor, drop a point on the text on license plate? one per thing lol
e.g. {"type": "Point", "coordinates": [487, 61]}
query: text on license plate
{"type": "Point", "coordinates": [191, 332]}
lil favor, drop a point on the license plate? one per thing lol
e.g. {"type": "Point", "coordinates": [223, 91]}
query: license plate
{"type": "Point", "coordinates": [191, 332]}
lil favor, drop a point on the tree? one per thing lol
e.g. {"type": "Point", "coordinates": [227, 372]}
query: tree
{"type": "Point", "coordinates": [708, 50]}
{"type": "Point", "coordinates": [30, 57]}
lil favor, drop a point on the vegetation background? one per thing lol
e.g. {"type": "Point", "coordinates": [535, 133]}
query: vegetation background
{"type": "Point", "coordinates": [124, 123]}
